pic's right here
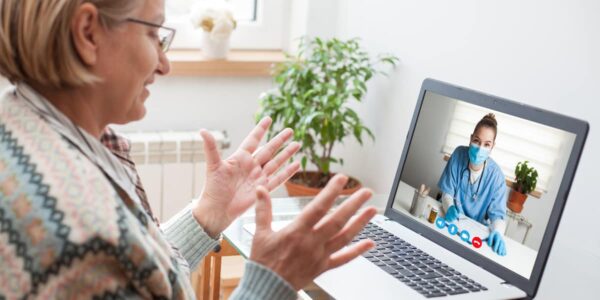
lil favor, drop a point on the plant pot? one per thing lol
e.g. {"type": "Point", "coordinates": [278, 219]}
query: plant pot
{"type": "Point", "coordinates": [296, 189]}
{"type": "Point", "coordinates": [516, 201]}
{"type": "Point", "coordinates": [214, 48]}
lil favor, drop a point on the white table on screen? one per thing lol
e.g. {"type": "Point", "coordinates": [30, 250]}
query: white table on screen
{"type": "Point", "coordinates": [519, 258]}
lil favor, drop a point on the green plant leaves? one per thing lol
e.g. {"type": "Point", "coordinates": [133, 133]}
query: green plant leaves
{"type": "Point", "coordinates": [526, 177]}
{"type": "Point", "coordinates": [312, 95]}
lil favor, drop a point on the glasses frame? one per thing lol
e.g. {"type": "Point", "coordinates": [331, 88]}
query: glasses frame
{"type": "Point", "coordinates": [164, 45]}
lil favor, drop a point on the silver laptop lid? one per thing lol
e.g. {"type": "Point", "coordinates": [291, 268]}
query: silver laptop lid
{"type": "Point", "coordinates": [474, 170]}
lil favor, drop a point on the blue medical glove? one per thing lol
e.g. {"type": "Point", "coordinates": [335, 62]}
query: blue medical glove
{"type": "Point", "coordinates": [451, 214]}
{"type": "Point", "coordinates": [496, 242]}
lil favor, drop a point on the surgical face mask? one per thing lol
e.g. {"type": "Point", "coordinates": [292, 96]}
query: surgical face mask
{"type": "Point", "coordinates": [477, 155]}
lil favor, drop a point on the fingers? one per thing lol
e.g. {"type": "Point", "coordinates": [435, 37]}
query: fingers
{"type": "Point", "coordinates": [503, 249]}
{"type": "Point", "coordinates": [452, 214]}
{"type": "Point", "coordinates": [211, 151]}
{"type": "Point", "coordinates": [271, 166]}
{"type": "Point", "coordinates": [345, 236]}
{"type": "Point", "coordinates": [333, 223]}
{"type": "Point", "coordinates": [318, 207]}
{"type": "Point", "coordinates": [491, 240]}
{"type": "Point", "coordinates": [264, 213]}
{"type": "Point", "coordinates": [253, 139]}
{"type": "Point", "coordinates": [282, 176]}
{"type": "Point", "coordinates": [266, 153]}
{"type": "Point", "coordinates": [497, 244]}
{"type": "Point", "coordinates": [347, 254]}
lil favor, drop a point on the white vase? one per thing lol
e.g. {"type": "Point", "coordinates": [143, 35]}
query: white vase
{"type": "Point", "coordinates": [214, 48]}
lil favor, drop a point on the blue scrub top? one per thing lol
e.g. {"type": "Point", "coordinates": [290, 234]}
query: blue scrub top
{"type": "Point", "coordinates": [491, 198]}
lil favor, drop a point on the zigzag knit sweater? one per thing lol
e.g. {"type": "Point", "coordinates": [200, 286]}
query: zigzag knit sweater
{"type": "Point", "coordinates": [68, 232]}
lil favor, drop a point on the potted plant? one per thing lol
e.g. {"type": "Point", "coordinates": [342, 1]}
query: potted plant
{"type": "Point", "coordinates": [526, 181]}
{"type": "Point", "coordinates": [313, 95]}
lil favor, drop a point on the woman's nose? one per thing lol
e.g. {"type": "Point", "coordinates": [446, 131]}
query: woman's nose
{"type": "Point", "coordinates": [164, 66]}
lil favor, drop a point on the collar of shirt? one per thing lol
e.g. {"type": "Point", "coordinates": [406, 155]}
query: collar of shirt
{"type": "Point", "coordinates": [116, 143]}
{"type": "Point", "coordinates": [475, 175]}
{"type": "Point", "coordinates": [121, 147]}
{"type": "Point", "coordinates": [87, 144]}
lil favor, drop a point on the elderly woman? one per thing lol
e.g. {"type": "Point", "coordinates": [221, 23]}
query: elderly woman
{"type": "Point", "coordinates": [74, 217]}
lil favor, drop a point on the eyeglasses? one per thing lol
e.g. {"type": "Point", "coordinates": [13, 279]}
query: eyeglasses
{"type": "Point", "coordinates": [165, 34]}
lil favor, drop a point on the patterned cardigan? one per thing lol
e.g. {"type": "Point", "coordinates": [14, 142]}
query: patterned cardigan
{"type": "Point", "coordinates": [66, 233]}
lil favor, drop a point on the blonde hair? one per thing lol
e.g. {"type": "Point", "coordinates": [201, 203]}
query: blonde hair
{"type": "Point", "coordinates": [36, 44]}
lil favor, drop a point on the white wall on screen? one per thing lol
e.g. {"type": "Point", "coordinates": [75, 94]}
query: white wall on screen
{"type": "Point", "coordinates": [424, 162]}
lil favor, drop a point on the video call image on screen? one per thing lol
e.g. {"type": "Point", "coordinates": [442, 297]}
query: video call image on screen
{"type": "Point", "coordinates": [461, 182]}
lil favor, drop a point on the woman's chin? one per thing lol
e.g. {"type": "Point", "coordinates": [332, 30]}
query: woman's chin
{"type": "Point", "coordinates": [133, 115]}
{"type": "Point", "coordinates": [140, 111]}
{"type": "Point", "coordinates": [140, 114]}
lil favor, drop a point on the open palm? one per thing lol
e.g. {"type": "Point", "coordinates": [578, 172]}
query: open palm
{"type": "Point", "coordinates": [230, 187]}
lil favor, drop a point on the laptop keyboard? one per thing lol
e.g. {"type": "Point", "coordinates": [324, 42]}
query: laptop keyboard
{"type": "Point", "coordinates": [417, 269]}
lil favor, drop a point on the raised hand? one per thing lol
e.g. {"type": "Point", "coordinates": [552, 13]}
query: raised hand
{"type": "Point", "coordinates": [230, 187]}
{"type": "Point", "coordinates": [314, 242]}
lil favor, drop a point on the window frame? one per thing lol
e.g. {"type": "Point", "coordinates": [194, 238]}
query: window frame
{"type": "Point", "coordinates": [266, 33]}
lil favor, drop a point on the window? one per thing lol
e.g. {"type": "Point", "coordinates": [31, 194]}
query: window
{"type": "Point", "coordinates": [517, 140]}
{"type": "Point", "coordinates": [260, 23]}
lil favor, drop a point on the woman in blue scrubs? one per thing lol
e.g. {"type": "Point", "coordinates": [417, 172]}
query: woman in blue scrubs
{"type": "Point", "coordinates": [472, 184]}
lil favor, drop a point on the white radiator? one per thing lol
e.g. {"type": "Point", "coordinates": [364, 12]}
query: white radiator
{"type": "Point", "coordinates": [171, 166]}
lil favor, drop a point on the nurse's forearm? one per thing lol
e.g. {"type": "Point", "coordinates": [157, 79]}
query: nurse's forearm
{"type": "Point", "coordinates": [447, 201]}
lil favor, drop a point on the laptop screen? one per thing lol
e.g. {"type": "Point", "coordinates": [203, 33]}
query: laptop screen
{"type": "Point", "coordinates": [482, 178]}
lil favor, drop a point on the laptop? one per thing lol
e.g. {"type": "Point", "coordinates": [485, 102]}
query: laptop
{"type": "Point", "coordinates": [419, 254]}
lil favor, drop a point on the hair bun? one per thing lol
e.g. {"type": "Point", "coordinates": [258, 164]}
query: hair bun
{"type": "Point", "coordinates": [492, 118]}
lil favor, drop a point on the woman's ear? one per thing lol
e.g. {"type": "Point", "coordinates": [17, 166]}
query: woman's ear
{"type": "Point", "coordinates": [85, 28]}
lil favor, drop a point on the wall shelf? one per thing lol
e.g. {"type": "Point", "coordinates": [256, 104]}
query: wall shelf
{"type": "Point", "coordinates": [238, 63]}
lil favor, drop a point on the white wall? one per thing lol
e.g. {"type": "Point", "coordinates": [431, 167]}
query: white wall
{"type": "Point", "coordinates": [544, 53]}
{"type": "Point", "coordinates": [188, 103]}
{"type": "Point", "coordinates": [424, 162]}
